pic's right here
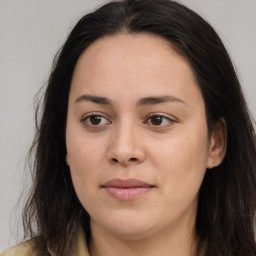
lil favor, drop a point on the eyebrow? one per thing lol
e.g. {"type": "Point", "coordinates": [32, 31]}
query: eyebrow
{"type": "Point", "coordinates": [94, 99]}
{"type": "Point", "coordinates": [151, 100]}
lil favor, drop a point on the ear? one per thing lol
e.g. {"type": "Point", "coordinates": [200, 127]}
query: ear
{"type": "Point", "coordinates": [218, 144]}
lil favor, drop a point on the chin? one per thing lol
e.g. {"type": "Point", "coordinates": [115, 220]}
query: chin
{"type": "Point", "coordinates": [132, 232]}
{"type": "Point", "coordinates": [129, 226]}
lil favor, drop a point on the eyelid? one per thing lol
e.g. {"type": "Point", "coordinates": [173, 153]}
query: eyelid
{"type": "Point", "coordinates": [91, 114]}
{"type": "Point", "coordinates": [171, 120]}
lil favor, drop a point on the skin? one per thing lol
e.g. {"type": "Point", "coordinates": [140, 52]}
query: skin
{"type": "Point", "coordinates": [170, 151]}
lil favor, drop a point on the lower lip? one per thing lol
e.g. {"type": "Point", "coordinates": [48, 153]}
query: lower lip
{"type": "Point", "coordinates": [127, 194]}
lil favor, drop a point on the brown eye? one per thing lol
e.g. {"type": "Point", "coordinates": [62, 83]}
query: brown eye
{"type": "Point", "coordinates": [156, 120]}
{"type": "Point", "coordinates": [95, 120]}
{"type": "Point", "coordinates": [159, 120]}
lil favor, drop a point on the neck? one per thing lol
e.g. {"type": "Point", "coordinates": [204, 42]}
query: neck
{"type": "Point", "coordinates": [179, 242]}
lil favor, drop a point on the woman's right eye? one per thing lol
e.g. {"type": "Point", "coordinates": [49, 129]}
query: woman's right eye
{"type": "Point", "coordinates": [95, 120]}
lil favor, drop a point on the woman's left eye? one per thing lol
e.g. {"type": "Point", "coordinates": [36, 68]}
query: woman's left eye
{"type": "Point", "coordinates": [159, 120]}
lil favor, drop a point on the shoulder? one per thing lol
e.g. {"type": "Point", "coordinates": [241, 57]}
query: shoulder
{"type": "Point", "coordinates": [79, 247]}
{"type": "Point", "coordinates": [23, 249]}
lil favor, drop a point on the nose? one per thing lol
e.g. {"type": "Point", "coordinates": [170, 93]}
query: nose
{"type": "Point", "coordinates": [126, 146]}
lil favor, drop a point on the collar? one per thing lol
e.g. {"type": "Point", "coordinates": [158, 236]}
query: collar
{"type": "Point", "coordinates": [79, 245]}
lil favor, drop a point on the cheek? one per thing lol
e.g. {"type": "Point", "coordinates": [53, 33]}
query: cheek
{"type": "Point", "coordinates": [182, 162]}
{"type": "Point", "coordinates": [84, 158]}
{"type": "Point", "coordinates": [181, 153]}
{"type": "Point", "coordinates": [84, 152]}
{"type": "Point", "coordinates": [86, 173]}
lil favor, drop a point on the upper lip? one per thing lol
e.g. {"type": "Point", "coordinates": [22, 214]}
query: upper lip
{"type": "Point", "coordinates": [127, 183]}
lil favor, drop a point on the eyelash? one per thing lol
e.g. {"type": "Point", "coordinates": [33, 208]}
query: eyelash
{"type": "Point", "coordinates": [167, 119]}
{"type": "Point", "coordinates": [87, 118]}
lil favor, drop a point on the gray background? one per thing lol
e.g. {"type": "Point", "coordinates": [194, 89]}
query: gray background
{"type": "Point", "coordinates": [30, 34]}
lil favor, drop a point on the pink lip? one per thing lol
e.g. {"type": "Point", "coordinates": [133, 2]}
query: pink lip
{"type": "Point", "coordinates": [126, 190]}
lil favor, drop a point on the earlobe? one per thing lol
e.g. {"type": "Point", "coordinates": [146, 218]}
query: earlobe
{"type": "Point", "coordinates": [218, 144]}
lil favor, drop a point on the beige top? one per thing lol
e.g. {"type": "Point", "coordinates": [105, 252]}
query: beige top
{"type": "Point", "coordinates": [24, 249]}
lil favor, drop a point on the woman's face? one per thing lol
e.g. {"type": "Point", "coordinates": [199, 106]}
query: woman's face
{"type": "Point", "coordinates": [137, 140]}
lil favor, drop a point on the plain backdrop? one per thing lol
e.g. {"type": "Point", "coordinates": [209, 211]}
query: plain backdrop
{"type": "Point", "coordinates": [31, 31]}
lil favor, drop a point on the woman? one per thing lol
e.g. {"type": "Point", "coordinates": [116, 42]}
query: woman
{"type": "Point", "coordinates": [145, 145]}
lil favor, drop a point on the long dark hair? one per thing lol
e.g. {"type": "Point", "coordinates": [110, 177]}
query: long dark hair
{"type": "Point", "coordinates": [227, 198]}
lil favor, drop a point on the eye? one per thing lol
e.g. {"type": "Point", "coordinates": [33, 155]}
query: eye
{"type": "Point", "coordinates": [159, 120]}
{"type": "Point", "coordinates": [95, 120]}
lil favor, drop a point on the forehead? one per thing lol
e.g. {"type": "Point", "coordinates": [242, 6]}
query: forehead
{"type": "Point", "coordinates": [143, 64]}
{"type": "Point", "coordinates": [126, 49]}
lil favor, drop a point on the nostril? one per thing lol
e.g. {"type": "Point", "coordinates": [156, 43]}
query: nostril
{"type": "Point", "coordinates": [114, 160]}
{"type": "Point", "coordinates": [133, 159]}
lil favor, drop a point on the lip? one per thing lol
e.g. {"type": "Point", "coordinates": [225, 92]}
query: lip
{"type": "Point", "coordinates": [126, 190]}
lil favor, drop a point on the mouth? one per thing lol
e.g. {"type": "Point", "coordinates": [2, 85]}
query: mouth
{"type": "Point", "coordinates": [127, 190]}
